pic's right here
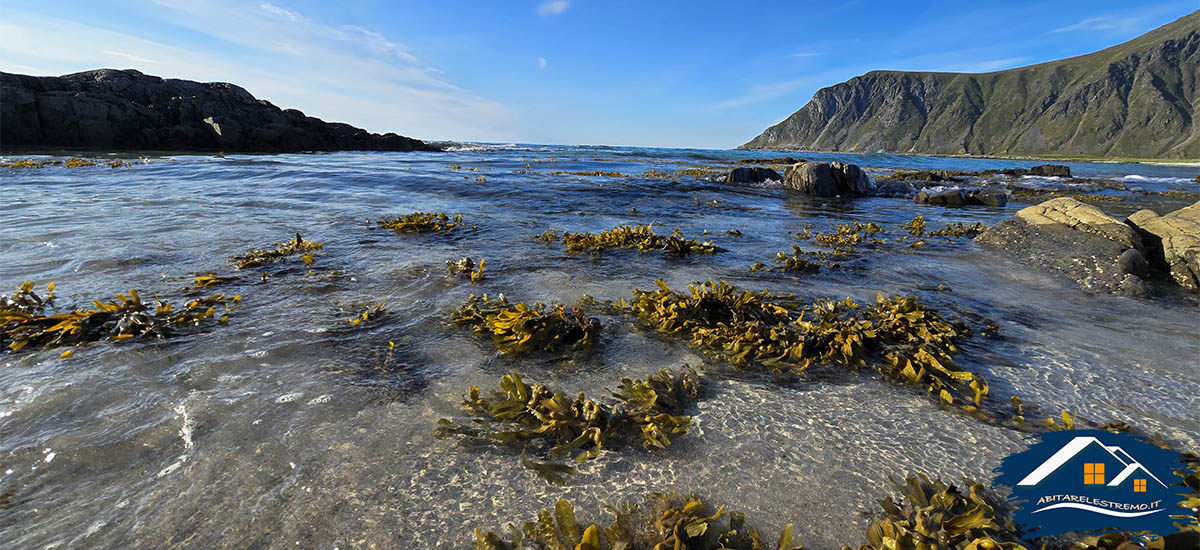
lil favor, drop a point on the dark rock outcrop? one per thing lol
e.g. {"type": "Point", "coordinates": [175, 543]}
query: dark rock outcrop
{"type": "Point", "coordinates": [127, 110]}
{"type": "Point", "coordinates": [1057, 170]}
{"type": "Point", "coordinates": [1078, 240]}
{"type": "Point", "coordinates": [827, 180]}
{"type": "Point", "coordinates": [756, 174]}
{"type": "Point", "coordinates": [1136, 99]}
{"type": "Point", "coordinates": [1172, 242]}
{"type": "Point", "coordinates": [961, 197]}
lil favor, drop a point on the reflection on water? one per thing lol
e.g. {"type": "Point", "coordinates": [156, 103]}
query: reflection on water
{"type": "Point", "coordinates": [285, 429]}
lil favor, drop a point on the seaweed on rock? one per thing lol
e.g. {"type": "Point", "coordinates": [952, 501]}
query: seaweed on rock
{"type": "Point", "coordinates": [663, 522]}
{"type": "Point", "coordinates": [258, 258]}
{"type": "Point", "coordinates": [640, 237]}
{"type": "Point", "coordinates": [937, 516]}
{"type": "Point", "coordinates": [647, 412]}
{"type": "Point", "coordinates": [422, 222]}
{"type": "Point", "coordinates": [521, 328]}
{"type": "Point", "coordinates": [465, 268]}
{"type": "Point", "coordinates": [903, 339]}
{"type": "Point", "coordinates": [24, 322]}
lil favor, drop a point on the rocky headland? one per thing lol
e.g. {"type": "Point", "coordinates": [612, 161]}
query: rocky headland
{"type": "Point", "coordinates": [127, 110]}
{"type": "Point", "coordinates": [1135, 99]}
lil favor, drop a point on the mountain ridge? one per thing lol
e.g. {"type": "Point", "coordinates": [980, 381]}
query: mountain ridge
{"type": "Point", "coordinates": [1134, 99]}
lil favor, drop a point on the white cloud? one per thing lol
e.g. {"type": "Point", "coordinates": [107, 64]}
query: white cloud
{"type": "Point", "coordinates": [541, 63]}
{"type": "Point", "coordinates": [553, 7]}
{"type": "Point", "coordinates": [1107, 23]}
{"type": "Point", "coordinates": [985, 66]}
{"type": "Point", "coordinates": [287, 14]}
{"type": "Point", "coordinates": [338, 73]}
{"type": "Point", "coordinates": [762, 92]}
{"type": "Point", "coordinates": [805, 54]}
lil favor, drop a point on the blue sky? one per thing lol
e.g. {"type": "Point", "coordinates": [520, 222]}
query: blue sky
{"type": "Point", "coordinates": [671, 74]}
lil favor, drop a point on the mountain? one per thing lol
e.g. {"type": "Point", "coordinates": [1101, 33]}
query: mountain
{"type": "Point", "coordinates": [1135, 99]}
{"type": "Point", "coordinates": [127, 110]}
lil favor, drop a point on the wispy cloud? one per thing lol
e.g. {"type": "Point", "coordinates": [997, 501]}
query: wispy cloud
{"type": "Point", "coordinates": [131, 57]}
{"type": "Point", "coordinates": [985, 66]}
{"type": "Point", "coordinates": [806, 54]}
{"type": "Point", "coordinates": [281, 12]}
{"type": "Point", "coordinates": [1107, 23]}
{"type": "Point", "coordinates": [553, 7]}
{"type": "Point", "coordinates": [761, 92]}
{"type": "Point", "coordinates": [542, 63]}
{"type": "Point", "coordinates": [336, 72]}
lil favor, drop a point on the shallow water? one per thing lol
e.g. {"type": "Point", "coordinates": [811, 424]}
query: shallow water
{"type": "Point", "coordinates": [247, 435]}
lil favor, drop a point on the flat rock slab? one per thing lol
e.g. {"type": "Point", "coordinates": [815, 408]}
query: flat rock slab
{"type": "Point", "coordinates": [1077, 240]}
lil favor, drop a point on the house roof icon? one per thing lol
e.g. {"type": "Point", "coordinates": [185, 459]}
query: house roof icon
{"type": "Point", "coordinates": [1076, 446]}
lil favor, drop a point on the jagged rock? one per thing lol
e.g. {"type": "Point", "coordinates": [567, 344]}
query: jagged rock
{"type": "Point", "coordinates": [850, 178]}
{"type": "Point", "coordinates": [811, 178]}
{"type": "Point", "coordinates": [1058, 170]}
{"type": "Point", "coordinates": [1172, 242]}
{"type": "Point", "coordinates": [827, 180]}
{"type": "Point", "coordinates": [1075, 239]}
{"type": "Point", "coordinates": [756, 174]}
{"type": "Point", "coordinates": [125, 109]}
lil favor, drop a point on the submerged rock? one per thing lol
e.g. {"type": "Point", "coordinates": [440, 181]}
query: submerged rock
{"type": "Point", "coordinates": [756, 174]}
{"type": "Point", "coordinates": [827, 180]}
{"type": "Point", "coordinates": [1078, 240]}
{"type": "Point", "coordinates": [1172, 242]}
{"type": "Point", "coordinates": [125, 109]}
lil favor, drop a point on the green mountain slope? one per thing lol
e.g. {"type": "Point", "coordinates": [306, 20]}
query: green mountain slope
{"type": "Point", "coordinates": [1135, 99]}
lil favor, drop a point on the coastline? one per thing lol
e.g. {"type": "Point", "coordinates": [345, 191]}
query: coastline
{"type": "Point", "coordinates": [1046, 157]}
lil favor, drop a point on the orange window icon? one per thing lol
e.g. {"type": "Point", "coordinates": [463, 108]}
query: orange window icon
{"type": "Point", "coordinates": [1093, 474]}
{"type": "Point", "coordinates": [1139, 485]}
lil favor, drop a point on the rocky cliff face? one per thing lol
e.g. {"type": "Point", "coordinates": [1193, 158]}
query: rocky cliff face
{"type": "Point", "coordinates": [1136, 99]}
{"type": "Point", "coordinates": [125, 109]}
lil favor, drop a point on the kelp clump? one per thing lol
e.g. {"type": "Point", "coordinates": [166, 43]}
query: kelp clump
{"type": "Point", "coordinates": [422, 222]}
{"type": "Point", "coordinates": [640, 237]}
{"type": "Point", "coordinates": [24, 320]}
{"type": "Point", "coordinates": [917, 227]}
{"type": "Point", "coordinates": [257, 258]}
{"type": "Point", "coordinates": [936, 516]}
{"type": "Point", "coordinates": [646, 413]}
{"type": "Point", "coordinates": [903, 339]}
{"type": "Point", "coordinates": [465, 268]}
{"type": "Point", "coordinates": [663, 522]}
{"type": "Point", "coordinates": [521, 328]}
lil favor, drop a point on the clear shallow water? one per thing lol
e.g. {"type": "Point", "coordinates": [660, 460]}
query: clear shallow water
{"type": "Point", "coordinates": [247, 436]}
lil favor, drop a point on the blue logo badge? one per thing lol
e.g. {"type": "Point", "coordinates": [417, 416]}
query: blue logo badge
{"type": "Point", "coordinates": [1081, 480]}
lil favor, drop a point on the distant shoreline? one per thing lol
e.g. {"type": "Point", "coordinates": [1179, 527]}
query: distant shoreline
{"type": "Point", "coordinates": [1060, 158]}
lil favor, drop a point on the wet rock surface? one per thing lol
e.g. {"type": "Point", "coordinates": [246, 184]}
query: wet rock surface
{"type": "Point", "coordinates": [827, 179]}
{"type": "Point", "coordinates": [756, 174]}
{"type": "Point", "coordinates": [125, 109]}
{"type": "Point", "coordinates": [1078, 240]}
{"type": "Point", "coordinates": [962, 197]}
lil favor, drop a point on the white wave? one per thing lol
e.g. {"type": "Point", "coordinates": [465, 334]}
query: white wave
{"type": "Point", "coordinates": [473, 147]}
{"type": "Point", "coordinates": [1090, 508]}
{"type": "Point", "coordinates": [1150, 179]}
